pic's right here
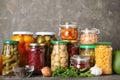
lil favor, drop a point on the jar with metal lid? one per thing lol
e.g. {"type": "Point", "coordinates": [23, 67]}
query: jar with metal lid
{"type": "Point", "coordinates": [59, 56]}
{"type": "Point", "coordinates": [24, 38]}
{"type": "Point", "coordinates": [46, 38]}
{"type": "Point", "coordinates": [89, 36]}
{"type": "Point", "coordinates": [36, 56]}
{"type": "Point", "coordinates": [68, 31]}
{"type": "Point", "coordinates": [10, 57]}
{"type": "Point", "coordinates": [103, 56]}
{"type": "Point", "coordinates": [80, 62]}
{"type": "Point", "coordinates": [88, 50]}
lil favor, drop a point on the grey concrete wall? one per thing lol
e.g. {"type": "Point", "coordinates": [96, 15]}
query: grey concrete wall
{"type": "Point", "coordinates": [45, 15]}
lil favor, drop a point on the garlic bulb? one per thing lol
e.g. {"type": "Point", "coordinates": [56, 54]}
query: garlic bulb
{"type": "Point", "coordinates": [96, 71]}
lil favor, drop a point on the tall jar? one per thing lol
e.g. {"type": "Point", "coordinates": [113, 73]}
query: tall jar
{"type": "Point", "coordinates": [89, 36]}
{"type": "Point", "coordinates": [10, 57]}
{"type": "Point", "coordinates": [88, 50]}
{"type": "Point", "coordinates": [24, 38]}
{"type": "Point", "coordinates": [46, 38]}
{"type": "Point", "coordinates": [36, 57]}
{"type": "Point", "coordinates": [59, 56]}
{"type": "Point", "coordinates": [103, 56]}
{"type": "Point", "coordinates": [68, 31]}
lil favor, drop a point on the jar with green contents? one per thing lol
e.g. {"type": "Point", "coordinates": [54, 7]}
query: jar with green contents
{"type": "Point", "coordinates": [88, 50]}
{"type": "Point", "coordinates": [10, 57]}
{"type": "Point", "coordinates": [59, 56]}
{"type": "Point", "coordinates": [46, 39]}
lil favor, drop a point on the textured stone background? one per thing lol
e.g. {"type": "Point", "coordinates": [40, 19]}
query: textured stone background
{"type": "Point", "coordinates": [45, 15]}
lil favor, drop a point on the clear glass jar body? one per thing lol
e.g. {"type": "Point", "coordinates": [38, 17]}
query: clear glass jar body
{"type": "Point", "coordinates": [46, 38]}
{"type": "Point", "coordinates": [59, 56]}
{"type": "Point", "coordinates": [24, 38]}
{"type": "Point", "coordinates": [10, 57]}
{"type": "Point", "coordinates": [68, 32]}
{"type": "Point", "coordinates": [36, 57]}
{"type": "Point", "coordinates": [80, 62]}
{"type": "Point", "coordinates": [89, 36]}
{"type": "Point", "coordinates": [88, 50]}
{"type": "Point", "coordinates": [103, 58]}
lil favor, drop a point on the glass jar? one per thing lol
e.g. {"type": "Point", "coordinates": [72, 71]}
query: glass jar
{"type": "Point", "coordinates": [80, 62]}
{"type": "Point", "coordinates": [103, 56]}
{"type": "Point", "coordinates": [89, 36]}
{"type": "Point", "coordinates": [59, 56]}
{"type": "Point", "coordinates": [24, 38]}
{"type": "Point", "coordinates": [10, 57]}
{"type": "Point", "coordinates": [88, 50]}
{"type": "Point", "coordinates": [36, 57]}
{"type": "Point", "coordinates": [46, 38]}
{"type": "Point", "coordinates": [68, 31]}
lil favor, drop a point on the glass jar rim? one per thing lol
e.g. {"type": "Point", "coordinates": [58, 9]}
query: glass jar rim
{"type": "Point", "coordinates": [80, 58]}
{"type": "Point", "coordinates": [93, 30]}
{"type": "Point", "coordinates": [67, 25]}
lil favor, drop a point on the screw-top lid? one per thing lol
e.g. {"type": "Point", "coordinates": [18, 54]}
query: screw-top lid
{"type": "Point", "coordinates": [45, 33]}
{"type": "Point", "coordinates": [8, 42]}
{"type": "Point", "coordinates": [23, 32]}
{"type": "Point", "coordinates": [87, 46]}
{"type": "Point", "coordinates": [59, 42]}
{"type": "Point", "coordinates": [103, 43]}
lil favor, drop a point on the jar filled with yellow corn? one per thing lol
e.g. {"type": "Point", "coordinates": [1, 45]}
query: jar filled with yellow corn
{"type": "Point", "coordinates": [103, 56]}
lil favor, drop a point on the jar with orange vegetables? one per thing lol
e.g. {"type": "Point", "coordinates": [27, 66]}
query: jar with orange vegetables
{"type": "Point", "coordinates": [68, 31]}
{"type": "Point", "coordinates": [103, 57]}
{"type": "Point", "coordinates": [24, 38]}
{"type": "Point", "coordinates": [89, 36]}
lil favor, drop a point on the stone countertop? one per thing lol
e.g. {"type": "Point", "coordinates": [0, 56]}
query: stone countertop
{"type": "Point", "coordinates": [105, 77]}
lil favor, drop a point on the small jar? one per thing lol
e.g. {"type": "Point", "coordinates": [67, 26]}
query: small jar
{"type": "Point", "coordinates": [80, 62]}
{"type": "Point", "coordinates": [46, 38]}
{"type": "Point", "coordinates": [24, 38]}
{"type": "Point", "coordinates": [89, 36]}
{"type": "Point", "coordinates": [36, 57]}
{"type": "Point", "coordinates": [59, 56]}
{"type": "Point", "coordinates": [103, 56]}
{"type": "Point", "coordinates": [68, 31]}
{"type": "Point", "coordinates": [10, 57]}
{"type": "Point", "coordinates": [88, 50]}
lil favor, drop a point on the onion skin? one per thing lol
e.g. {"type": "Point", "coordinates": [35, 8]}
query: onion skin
{"type": "Point", "coordinates": [46, 71]}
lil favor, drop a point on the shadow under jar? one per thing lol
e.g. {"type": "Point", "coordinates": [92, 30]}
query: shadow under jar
{"type": "Point", "coordinates": [36, 57]}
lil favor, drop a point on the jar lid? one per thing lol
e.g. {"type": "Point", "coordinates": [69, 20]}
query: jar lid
{"type": "Point", "coordinates": [71, 41]}
{"type": "Point", "coordinates": [93, 30]}
{"type": "Point", "coordinates": [45, 33]}
{"type": "Point", "coordinates": [87, 46]}
{"type": "Point", "coordinates": [23, 32]}
{"type": "Point", "coordinates": [80, 58]}
{"type": "Point", "coordinates": [8, 42]}
{"type": "Point", "coordinates": [36, 44]}
{"type": "Point", "coordinates": [103, 43]}
{"type": "Point", "coordinates": [68, 25]}
{"type": "Point", "coordinates": [59, 42]}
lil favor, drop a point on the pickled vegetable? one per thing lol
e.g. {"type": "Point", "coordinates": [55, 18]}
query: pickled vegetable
{"type": "Point", "coordinates": [88, 50]}
{"type": "Point", "coordinates": [59, 56]}
{"type": "Point", "coordinates": [24, 38]}
{"type": "Point", "coordinates": [89, 36]}
{"type": "Point", "coordinates": [10, 57]}
{"type": "Point", "coordinates": [45, 38]}
{"type": "Point", "coordinates": [68, 32]}
{"type": "Point", "coordinates": [103, 57]}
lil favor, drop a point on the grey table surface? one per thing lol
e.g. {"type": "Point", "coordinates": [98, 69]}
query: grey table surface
{"type": "Point", "coordinates": [105, 77]}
